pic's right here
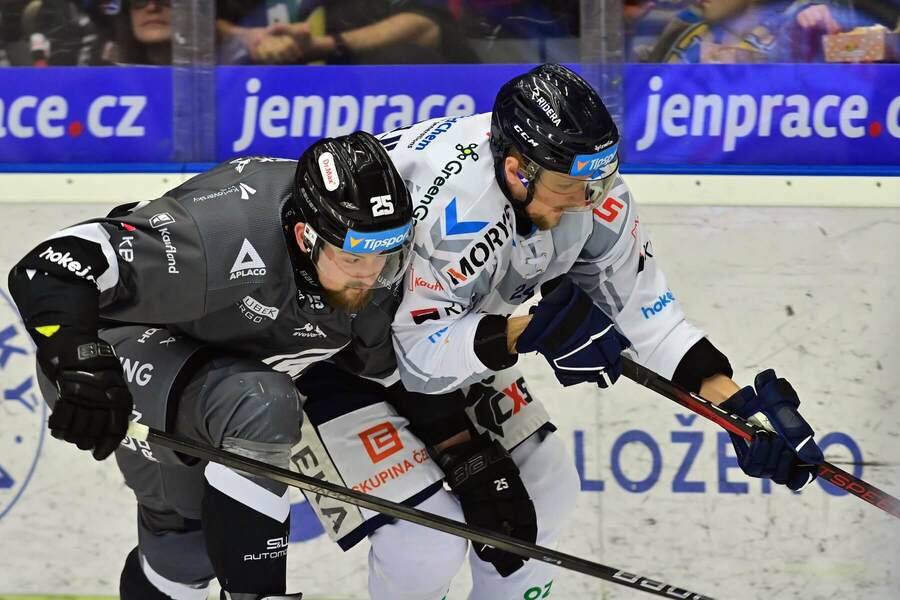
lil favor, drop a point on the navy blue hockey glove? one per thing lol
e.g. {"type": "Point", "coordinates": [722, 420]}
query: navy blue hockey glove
{"type": "Point", "coordinates": [579, 341]}
{"type": "Point", "coordinates": [94, 404]}
{"type": "Point", "coordinates": [484, 477]}
{"type": "Point", "coordinates": [789, 456]}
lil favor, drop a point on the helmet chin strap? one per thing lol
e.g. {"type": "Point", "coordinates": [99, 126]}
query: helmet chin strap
{"type": "Point", "coordinates": [524, 223]}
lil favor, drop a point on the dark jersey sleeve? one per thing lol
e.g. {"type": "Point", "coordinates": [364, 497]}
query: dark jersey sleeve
{"type": "Point", "coordinates": [145, 264]}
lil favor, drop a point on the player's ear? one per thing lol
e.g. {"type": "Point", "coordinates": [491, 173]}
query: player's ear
{"type": "Point", "coordinates": [511, 167]}
{"type": "Point", "coordinates": [299, 228]}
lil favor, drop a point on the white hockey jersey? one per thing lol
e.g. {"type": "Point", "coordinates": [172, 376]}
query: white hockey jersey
{"type": "Point", "coordinates": [470, 261]}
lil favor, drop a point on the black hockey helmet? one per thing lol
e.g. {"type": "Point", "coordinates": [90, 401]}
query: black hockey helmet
{"type": "Point", "coordinates": [557, 122]}
{"type": "Point", "coordinates": [352, 198]}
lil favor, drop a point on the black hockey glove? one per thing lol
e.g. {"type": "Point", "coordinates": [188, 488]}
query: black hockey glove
{"type": "Point", "coordinates": [94, 404]}
{"type": "Point", "coordinates": [486, 480]}
{"type": "Point", "coordinates": [789, 455]}
{"type": "Point", "coordinates": [579, 341]}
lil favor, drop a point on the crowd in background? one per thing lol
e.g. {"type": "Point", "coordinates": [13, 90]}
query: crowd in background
{"type": "Point", "coordinates": [109, 32]}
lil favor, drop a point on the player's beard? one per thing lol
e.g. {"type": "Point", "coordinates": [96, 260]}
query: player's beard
{"type": "Point", "coordinates": [350, 300]}
{"type": "Point", "coordinates": [542, 222]}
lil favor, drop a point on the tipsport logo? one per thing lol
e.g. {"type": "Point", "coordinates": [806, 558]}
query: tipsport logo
{"type": "Point", "coordinates": [361, 242]}
{"type": "Point", "coordinates": [24, 412]}
{"type": "Point", "coordinates": [738, 116]}
{"type": "Point", "coordinates": [51, 117]}
{"type": "Point", "coordinates": [598, 165]}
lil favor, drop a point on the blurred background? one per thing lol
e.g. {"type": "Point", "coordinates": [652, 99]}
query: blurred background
{"type": "Point", "coordinates": [760, 137]}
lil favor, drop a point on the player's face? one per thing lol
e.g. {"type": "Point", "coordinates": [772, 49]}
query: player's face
{"type": "Point", "coordinates": [558, 193]}
{"type": "Point", "coordinates": [348, 278]}
{"type": "Point", "coordinates": [719, 10]}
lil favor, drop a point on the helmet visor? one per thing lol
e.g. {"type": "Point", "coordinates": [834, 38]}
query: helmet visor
{"type": "Point", "coordinates": [576, 193]}
{"type": "Point", "coordinates": [367, 260]}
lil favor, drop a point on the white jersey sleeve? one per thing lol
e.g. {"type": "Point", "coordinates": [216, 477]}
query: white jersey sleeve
{"type": "Point", "coordinates": [464, 233]}
{"type": "Point", "coordinates": [618, 268]}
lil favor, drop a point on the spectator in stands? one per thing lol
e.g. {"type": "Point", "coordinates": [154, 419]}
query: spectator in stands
{"type": "Point", "coordinates": [751, 30]}
{"type": "Point", "coordinates": [354, 32]}
{"type": "Point", "coordinates": [522, 31]}
{"type": "Point", "coordinates": [48, 33]}
{"type": "Point", "coordinates": [143, 33]}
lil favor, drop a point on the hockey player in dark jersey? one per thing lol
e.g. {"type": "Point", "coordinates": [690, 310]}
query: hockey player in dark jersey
{"type": "Point", "coordinates": [192, 314]}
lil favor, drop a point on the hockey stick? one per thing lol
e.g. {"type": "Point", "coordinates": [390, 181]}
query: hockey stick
{"type": "Point", "coordinates": [738, 426]}
{"type": "Point", "coordinates": [406, 513]}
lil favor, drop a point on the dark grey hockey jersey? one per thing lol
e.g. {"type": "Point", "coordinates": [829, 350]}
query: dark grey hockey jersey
{"type": "Point", "coordinates": [210, 259]}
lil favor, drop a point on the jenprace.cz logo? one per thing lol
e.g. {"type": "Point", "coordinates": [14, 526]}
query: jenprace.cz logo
{"type": "Point", "coordinates": [51, 117]}
{"type": "Point", "coordinates": [771, 113]}
{"type": "Point", "coordinates": [270, 115]}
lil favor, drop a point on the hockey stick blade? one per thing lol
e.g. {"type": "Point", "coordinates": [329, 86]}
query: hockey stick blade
{"type": "Point", "coordinates": [413, 515]}
{"type": "Point", "coordinates": [735, 424]}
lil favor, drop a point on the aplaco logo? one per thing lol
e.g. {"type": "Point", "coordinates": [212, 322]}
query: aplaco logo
{"type": "Point", "coordinates": [49, 117]}
{"type": "Point", "coordinates": [663, 301]}
{"type": "Point", "coordinates": [741, 115]}
{"type": "Point", "coordinates": [248, 263]}
{"type": "Point", "coordinates": [477, 254]}
{"type": "Point", "coordinates": [279, 117]}
{"type": "Point", "coordinates": [68, 263]}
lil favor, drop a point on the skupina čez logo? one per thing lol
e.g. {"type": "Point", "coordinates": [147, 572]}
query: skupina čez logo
{"type": "Point", "coordinates": [467, 151]}
{"type": "Point", "coordinates": [22, 410]}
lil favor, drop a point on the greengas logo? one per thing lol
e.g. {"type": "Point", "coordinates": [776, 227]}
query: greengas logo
{"type": "Point", "coordinates": [361, 242]}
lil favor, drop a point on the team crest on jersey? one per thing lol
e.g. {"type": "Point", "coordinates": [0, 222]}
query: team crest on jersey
{"type": "Point", "coordinates": [24, 412]}
{"type": "Point", "coordinates": [248, 262]}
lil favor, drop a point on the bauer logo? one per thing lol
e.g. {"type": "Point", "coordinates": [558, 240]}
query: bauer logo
{"type": "Point", "coordinates": [24, 412]}
{"type": "Point", "coordinates": [810, 114]}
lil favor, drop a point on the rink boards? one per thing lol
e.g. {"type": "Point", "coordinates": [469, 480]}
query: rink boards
{"type": "Point", "coordinates": [809, 291]}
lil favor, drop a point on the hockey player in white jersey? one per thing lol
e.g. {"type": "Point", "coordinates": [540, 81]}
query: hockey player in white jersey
{"type": "Point", "coordinates": [506, 203]}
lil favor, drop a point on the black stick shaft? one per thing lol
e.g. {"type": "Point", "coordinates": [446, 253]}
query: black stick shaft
{"type": "Point", "coordinates": [734, 424]}
{"type": "Point", "coordinates": [413, 515]}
